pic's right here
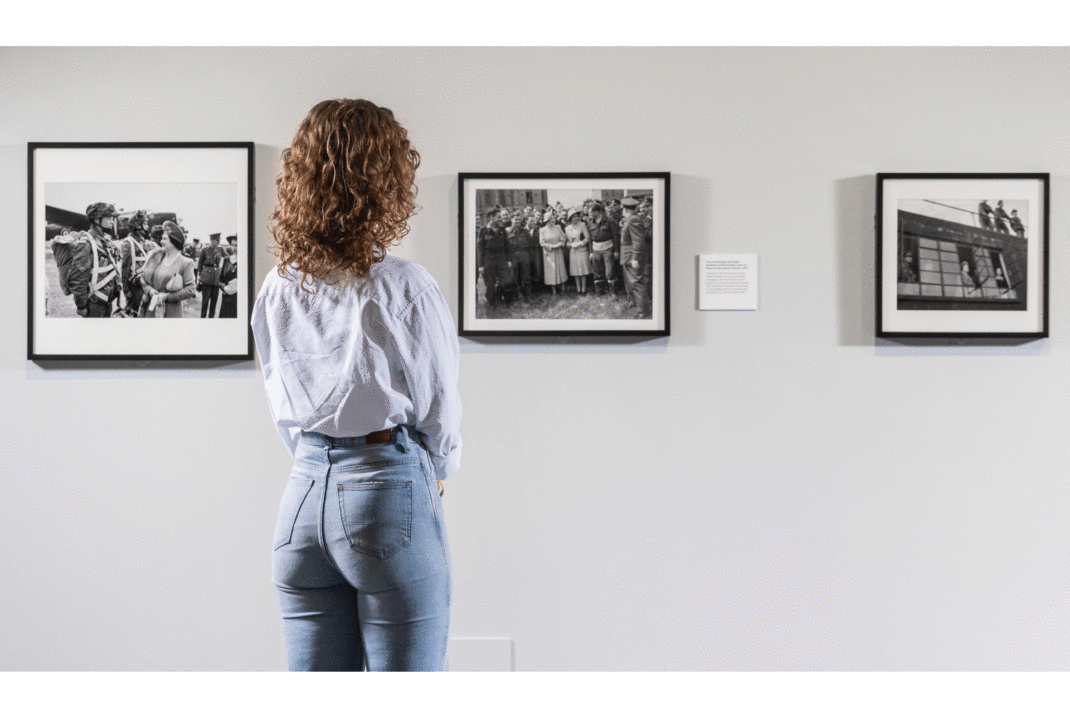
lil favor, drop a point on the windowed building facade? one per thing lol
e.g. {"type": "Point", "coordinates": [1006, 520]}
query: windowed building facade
{"type": "Point", "coordinates": [945, 265]}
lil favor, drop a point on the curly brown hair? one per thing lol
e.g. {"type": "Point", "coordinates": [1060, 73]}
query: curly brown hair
{"type": "Point", "coordinates": [346, 191]}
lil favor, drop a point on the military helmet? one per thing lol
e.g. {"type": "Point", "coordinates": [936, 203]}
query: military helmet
{"type": "Point", "coordinates": [140, 220]}
{"type": "Point", "coordinates": [100, 210]}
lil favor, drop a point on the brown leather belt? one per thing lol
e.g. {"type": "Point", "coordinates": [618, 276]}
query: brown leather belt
{"type": "Point", "coordinates": [382, 436]}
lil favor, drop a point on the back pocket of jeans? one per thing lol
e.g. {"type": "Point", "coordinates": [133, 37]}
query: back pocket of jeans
{"type": "Point", "coordinates": [377, 516]}
{"type": "Point", "coordinates": [292, 498]}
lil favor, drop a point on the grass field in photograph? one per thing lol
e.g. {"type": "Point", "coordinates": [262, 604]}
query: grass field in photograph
{"type": "Point", "coordinates": [545, 305]}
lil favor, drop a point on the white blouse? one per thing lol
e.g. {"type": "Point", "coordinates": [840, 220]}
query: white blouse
{"type": "Point", "coordinates": [362, 355]}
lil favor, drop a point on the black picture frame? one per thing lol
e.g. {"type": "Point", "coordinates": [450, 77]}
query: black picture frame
{"type": "Point", "coordinates": [544, 310]}
{"type": "Point", "coordinates": [962, 255]}
{"type": "Point", "coordinates": [203, 187]}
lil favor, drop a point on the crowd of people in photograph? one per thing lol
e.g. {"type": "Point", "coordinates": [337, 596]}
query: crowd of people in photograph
{"type": "Point", "coordinates": [147, 273]}
{"type": "Point", "coordinates": [602, 247]}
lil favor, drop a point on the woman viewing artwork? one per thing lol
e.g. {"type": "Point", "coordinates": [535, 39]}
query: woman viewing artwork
{"type": "Point", "coordinates": [360, 359]}
{"type": "Point", "coordinates": [552, 240]}
{"type": "Point", "coordinates": [168, 278]}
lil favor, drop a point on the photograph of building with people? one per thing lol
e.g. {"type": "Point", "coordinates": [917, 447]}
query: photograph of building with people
{"type": "Point", "coordinates": [962, 254]}
{"type": "Point", "coordinates": [564, 253]}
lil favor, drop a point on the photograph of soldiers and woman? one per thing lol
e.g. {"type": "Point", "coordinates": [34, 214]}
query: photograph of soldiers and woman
{"type": "Point", "coordinates": [141, 250]}
{"type": "Point", "coordinates": [962, 254]}
{"type": "Point", "coordinates": [563, 253]}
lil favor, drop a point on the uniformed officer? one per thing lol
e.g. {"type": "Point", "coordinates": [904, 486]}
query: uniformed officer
{"type": "Point", "coordinates": [605, 250]}
{"type": "Point", "coordinates": [613, 212]}
{"type": "Point", "coordinates": [133, 250]}
{"type": "Point", "coordinates": [532, 227]}
{"type": "Point", "coordinates": [1016, 224]}
{"type": "Point", "coordinates": [208, 264]}
{"type": "Point", "coordinates": [635, 258]}
{"type": "Point", "coordinates": [984, 211]}
{"type": "Point", "coordinates": [494, 256]}
{"type": "Point", "coordinates": [1002, 219]}
{"type": "Point", "coordinates": [191, 249]}
{"type": "Point", "coordinates": [94, 278]}
{"type": "Point", "coordinates": [526, 253]}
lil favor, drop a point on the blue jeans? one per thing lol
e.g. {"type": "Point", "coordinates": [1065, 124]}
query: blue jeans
{"type": "Point", "coordinates": [361, 563]}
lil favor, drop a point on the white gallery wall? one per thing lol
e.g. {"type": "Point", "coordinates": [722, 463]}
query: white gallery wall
{"type": "Point", "coordinates": [768, 490]}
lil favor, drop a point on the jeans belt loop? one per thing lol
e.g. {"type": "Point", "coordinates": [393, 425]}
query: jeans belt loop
{"type": "Point", "coordinates": [403, 439]}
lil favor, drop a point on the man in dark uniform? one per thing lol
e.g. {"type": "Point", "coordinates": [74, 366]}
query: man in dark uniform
{"type": "Point", "coordinates": [156, 236]}
{"type": "Point", "coordinates": [133, 251]}
{"type": "Point", "coordinates": [525, 251]}
{"type": "Point", "coordinates": [635, 258]}
{"type": "Point", "coordinates": [646, 212]}
{"type": "Point", "coordinates": [984, 211]}
{"type": "Point", "coordinates": [536, 273]}
{"type": "Point", "coordinates": [94, 278]}
{"type": "Point", "coordinates": [1016, 224]}
{"type": "Point", "coordinates": [605, 250]}
{"type": "Point", "coordinates": [613, 212]}
{"type": "Point", "coordinates": [208, 264]}
{"type": "Point", "coordinates": [1002, 219]}
{"type": "Point", "coordinates": [906, 268]}
{"type": "Point", "coordinates": [494, 256]}
{"type": "Point", "coordinates": [191, 249]}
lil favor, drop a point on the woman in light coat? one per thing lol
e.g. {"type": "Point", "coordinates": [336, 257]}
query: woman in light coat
{"type": "Point", "coordinates": [552, 240]}
{"type": "Point", "coordinates": [579, 243]}
{"type": "Point", "coordinates": [168, 276]}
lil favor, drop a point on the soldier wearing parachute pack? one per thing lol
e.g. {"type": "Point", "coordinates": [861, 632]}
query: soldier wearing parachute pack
{"type": "Point", "coordinates": [89, 264]}
{"type": "Point", "coordinates": [134, 249]}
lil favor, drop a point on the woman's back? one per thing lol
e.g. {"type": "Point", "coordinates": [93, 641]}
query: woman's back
{"type": "Point", "coordinates": [360, 360]}
{"type": "Point", "coordinates": [361, 355]}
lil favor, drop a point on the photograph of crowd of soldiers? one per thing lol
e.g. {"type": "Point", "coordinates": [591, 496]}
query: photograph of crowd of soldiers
{"type": "Point", "coordinates": [148, 272]}
{"type": "Point", "coordinates": [589, 261]}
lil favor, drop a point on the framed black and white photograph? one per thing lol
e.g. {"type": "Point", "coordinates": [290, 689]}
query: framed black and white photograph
{"type": "Point", "coordinates": [962, 255]}
{"type": "Point", "coordinates": [140, 251]}
{"type": "Point", "coordinates": [564, 254]}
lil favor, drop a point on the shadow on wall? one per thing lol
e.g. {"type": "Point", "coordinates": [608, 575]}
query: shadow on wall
{"type": "Point", "coordinates": [856, 239]}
